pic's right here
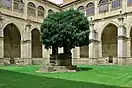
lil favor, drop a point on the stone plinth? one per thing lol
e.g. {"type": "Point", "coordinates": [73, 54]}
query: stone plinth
{"type": "Point", "coordinates": [58, 69]}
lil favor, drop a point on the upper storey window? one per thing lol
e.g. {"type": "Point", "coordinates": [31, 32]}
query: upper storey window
{"type": "Point", "coordinates": [129, 2]}
{"type": "Point", "coordinates": [18, 5]}
{"type": "Point", "coordinates": [103, 6]}
{"type": "Point", "coordinates": [116, 3]}
{"type": "Point", "coordinates": [31, 9]}
{"type": "Point", "coordinates": [81, 8]}
{"type": "Point", "coordinates": [50, 11]}
{"type": "Point", "coordinates": [40, 11]}
{"type": "Point", "coordinates": [90, 9]}
{"type": "Point", "coordinates": [6, 3]}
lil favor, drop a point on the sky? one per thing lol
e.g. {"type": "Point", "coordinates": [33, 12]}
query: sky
{"type": "Point", "coordinates": [57, 1]}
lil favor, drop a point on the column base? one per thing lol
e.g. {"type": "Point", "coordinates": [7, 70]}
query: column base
{"type": "Point", "coordinates": [122, 61]}
{"type": "Point", "coordinates": [93, 61]}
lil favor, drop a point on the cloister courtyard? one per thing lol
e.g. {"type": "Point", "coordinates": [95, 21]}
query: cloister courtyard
{"type": "Point", "coordinates": [102, 76]}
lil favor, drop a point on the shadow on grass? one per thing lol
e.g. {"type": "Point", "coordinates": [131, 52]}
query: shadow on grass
{"type": "Point", "coordinates": [9, 79]}
{"type": "Point", "coordinates": [84, 68]}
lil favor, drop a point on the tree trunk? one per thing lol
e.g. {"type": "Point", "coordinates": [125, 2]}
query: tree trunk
{"type": "Point", "coordinates": [65, 59]}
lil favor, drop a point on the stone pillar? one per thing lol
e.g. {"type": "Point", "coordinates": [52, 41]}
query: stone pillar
{"type": "Point", "coordinates": [93, 45]}
{"type": "Point", "coordinates": [1, 41]}
{"type": "Point", "coordinates": [75, 55]}
{"type": "Point", "coordinates": [26, 44]}
{"type": "Point", "coordinates": [46, 55]}
{"type": "Point", "coordinates": [122, 40]}
{"type": "Point", "coordinates": [100, 49]}
{"type": "Point", "coordinates": [85, 11]}
{"type": "Point", "coordinates": [96, 8]}
{"type": "Point", "coordinates": [128, 47]}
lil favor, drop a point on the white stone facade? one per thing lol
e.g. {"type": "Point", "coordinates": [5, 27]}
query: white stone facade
{"type": "Point", "coordinates": [110, 31]}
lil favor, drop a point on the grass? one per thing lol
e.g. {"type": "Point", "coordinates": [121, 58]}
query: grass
{"type": "Point", "coordinates": [89, 77]}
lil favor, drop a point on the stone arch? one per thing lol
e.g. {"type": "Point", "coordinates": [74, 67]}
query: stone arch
{"type": "Point", "coordinates": [103, 27]}
{"type": "Point", "coordinates": [11, 22]}
{"type": "Point", "coordinates": [80, 8]}
{"type": "Point", "coordinates": [109, 40]}
{"type": "Point", "coordinates": [12, 39]}
{"type": "Point", "coordinates": [36, 44]}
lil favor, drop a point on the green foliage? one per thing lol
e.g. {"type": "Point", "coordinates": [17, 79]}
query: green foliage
{"type": "Point", "coordinates": [68, 27]}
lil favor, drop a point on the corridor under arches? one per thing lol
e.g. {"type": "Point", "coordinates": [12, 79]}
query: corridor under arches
{"type": "Point", "coordinates": [109, 41]}
{"type": "Point", "coordinates": [12, 38]}
{"type": "Point", "coordinates": [36, 44]}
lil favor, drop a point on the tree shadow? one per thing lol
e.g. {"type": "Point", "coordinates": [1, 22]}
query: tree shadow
{"type": "Point", "coordinates": [84, 68]}
{"type": "Point", "coordinates": [9, 79]}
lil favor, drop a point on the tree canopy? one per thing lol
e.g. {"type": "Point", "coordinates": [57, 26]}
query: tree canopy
{"type": "Point", "coordinates": [68, 27]}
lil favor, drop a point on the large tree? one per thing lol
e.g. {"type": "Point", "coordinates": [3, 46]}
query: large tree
{"type": "Point", "coordinates": [66, 29]}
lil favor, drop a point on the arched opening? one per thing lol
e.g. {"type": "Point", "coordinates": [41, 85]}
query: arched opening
{"type": "Point", "coordinates": [36, 44]}
{"type": "Point", "coordinates": [40, 11]}
{"type": "Point", "coordinates": [12, 40]}
{"type": "Point", "coordinates": [90, 9]}
{"type": "Point", "coordinates": [50, 11]}
{"type": "Point", "coordinates": [31, 9]}
{"type": "Point", "coordinates": [109, 41]}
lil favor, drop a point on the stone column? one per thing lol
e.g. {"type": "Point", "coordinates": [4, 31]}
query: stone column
{"type": "Point", "coordinates": [26, 44]}
{"type": "Point", "coordinates": [128, 47]}
{"type": "Point", "coordinates": [1, 41]}
{"type": "Point", "coordinates": [122, 40]}
{"type": "Point", "coordinates": [93, 45]}
{"type": "Point", "coordinates": [100, 49]}
{"type": "Point", "coordinates": [75, 55]}
{"type": "Point", "coordinates": [96, 8]}
{"type": "Point", "coordinates": [46, 55]}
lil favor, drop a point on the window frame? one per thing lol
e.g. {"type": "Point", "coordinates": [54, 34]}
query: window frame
{"type": "Point", "coordinates": [40, 11]}
{"type": "Point", "coordinates": [103, 3]}
{"type": "Point", "coordinates": [90, 6]}
{"type": "Point", "coordinates": [29, 8]}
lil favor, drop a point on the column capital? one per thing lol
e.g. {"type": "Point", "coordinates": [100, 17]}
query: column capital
{"type": "Point", "coordinates": [94, 40]}
{"type": "Point", "coordinates": [1, 38]}
{"type": "Point", "coordinates": [129, 38]}
{"type": "Point", "coordinates": [122, 38]}
{"type": "Point", "coordinates": [25, 41]}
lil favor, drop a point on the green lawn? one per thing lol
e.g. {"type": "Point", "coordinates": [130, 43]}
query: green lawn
{"type": "Point", "coordinates": [89, 77]}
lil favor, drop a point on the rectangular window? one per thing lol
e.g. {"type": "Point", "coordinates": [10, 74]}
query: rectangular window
{"type": "Point", "coordinates": [7, 3]}
{"type": "Point", "coordinates": [90, 11]}
{"type": "Point", "coordinates": [116, 3]}
{"type": "Point", "coordinates": [18, 6]}
{"type": "Point", "coordinates": [103, 8]}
